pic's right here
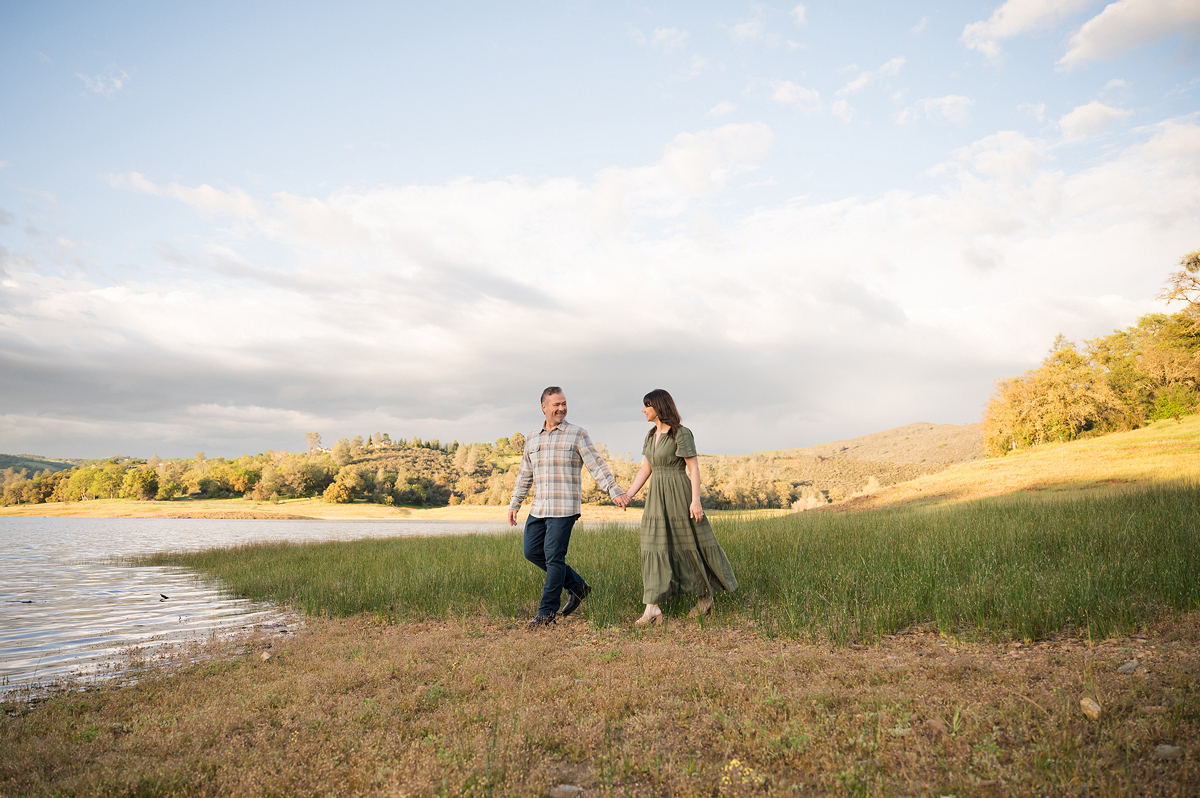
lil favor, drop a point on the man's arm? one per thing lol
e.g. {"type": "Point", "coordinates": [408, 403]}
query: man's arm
{"type": "Point", "coordinates": [599, 469]}
{"type": "Point", "coordinates": [521, 488]}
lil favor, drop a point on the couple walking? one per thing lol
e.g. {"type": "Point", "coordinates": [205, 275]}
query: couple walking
{"type": "Point", "coordinates": [678, 548]}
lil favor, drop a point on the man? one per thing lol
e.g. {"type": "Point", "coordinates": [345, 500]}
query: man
{"type": "Point", "coordinates": [551, 463]}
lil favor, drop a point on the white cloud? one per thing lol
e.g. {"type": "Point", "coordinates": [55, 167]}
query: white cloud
{"type": "Point", "coordinates": [423, 225]}
{"type": "Point", "coordinates": [703, 162]}
{"type": "Point", "coordinates": [1094, 117]}
{"type": "Point", "coordinates": [1125, 24]}
{"type": "Point", "coordinates": [920, 26]}
{"type": "Point", "coordinates": [798, 14]}
{"type": "Point", "coordinates": [1036, 110]}
{"type": "Point", "coordinates": [748, 29]}
{"type": "Point", "coordinates": [1008, 156]}
{"type": "Point", "coordinates": [105, 85]}
{"type": "Point", "coordinates": [856, 84]}
{"type": "Point", "coordinates": [953, 108]}
{"type": "Point", "coordinates": [668, 39]}
{"type": "Point", "coordinates": [204, 198]}
{"type": "Point", "coordinates": [796, 305]}
{"type": "Point", "coordinates": [890, 68]}
{"type": "Point", "coordinates": [722, 108]}
{"type": "Point", "coordinates": [48, 197]}
{"type": "Point", "coordinates": [789, 93]}
{"type": "Point", "coordinates": [842, 110]}
{"type": "Point", "coordinates": [754, 28]}
{"type": "Point", "coordinates": [1014, 17]}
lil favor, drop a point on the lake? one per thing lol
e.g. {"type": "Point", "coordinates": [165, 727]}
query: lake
{"type": "Point", "coordinates": [68, 610]}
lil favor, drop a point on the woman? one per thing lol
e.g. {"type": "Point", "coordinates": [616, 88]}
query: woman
{"type": "Point", "coordinates": [679, 550]}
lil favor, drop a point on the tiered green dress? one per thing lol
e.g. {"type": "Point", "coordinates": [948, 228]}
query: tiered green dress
{"type": "Point", "coordinates": [678, 554]}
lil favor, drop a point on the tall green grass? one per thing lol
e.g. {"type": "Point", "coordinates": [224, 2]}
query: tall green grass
{"type": "Point", "coordinates": [1025, 566]}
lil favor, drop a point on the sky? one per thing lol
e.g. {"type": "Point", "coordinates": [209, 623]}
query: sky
{"type": "Point", "coordinates": [225, 225]}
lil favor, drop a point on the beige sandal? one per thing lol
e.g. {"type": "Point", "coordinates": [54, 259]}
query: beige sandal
{"type": "Point", "coordinates": [656, 618]}
{"type": "Point", "coordinates": [703, 605]}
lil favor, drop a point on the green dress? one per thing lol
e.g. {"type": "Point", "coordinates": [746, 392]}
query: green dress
{"type": "Point", "coordinates": [678, 554]}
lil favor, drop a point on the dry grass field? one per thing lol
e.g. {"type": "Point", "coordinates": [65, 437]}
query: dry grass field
{"type": "Point", "coordinates": [482, 707]}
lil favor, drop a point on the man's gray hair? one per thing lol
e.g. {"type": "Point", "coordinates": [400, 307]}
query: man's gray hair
{"type": "Point", "coordinates": [553, 389]}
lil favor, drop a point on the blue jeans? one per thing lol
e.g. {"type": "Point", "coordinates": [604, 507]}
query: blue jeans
{"type": "Point", "coordinates": [546, 541]}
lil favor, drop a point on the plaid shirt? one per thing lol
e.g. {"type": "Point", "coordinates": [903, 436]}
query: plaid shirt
{"type": "Point", "coordinates": [552, 463]}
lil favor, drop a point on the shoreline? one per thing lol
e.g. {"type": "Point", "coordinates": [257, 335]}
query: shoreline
{"type": "Point", "coordinates": [314, 510]}
{"type": "Point", "coordinates": [283, 510]}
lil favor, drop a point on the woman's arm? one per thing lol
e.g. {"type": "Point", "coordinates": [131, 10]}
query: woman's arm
{"type": "Point", "coordinates": [643, 474]}
{"type": "Point", "coordinates": [693, 467]}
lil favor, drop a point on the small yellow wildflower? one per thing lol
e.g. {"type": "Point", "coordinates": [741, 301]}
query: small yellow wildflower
{"type": "Point", "coordinates": [736, 772]}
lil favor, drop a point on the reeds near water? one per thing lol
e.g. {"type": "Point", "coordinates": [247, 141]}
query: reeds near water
{"type": "Point", "coordinates": [1025, 566]}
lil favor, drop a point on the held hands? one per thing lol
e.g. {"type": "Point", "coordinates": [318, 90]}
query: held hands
{"type": "Point", "coordinates": [696, 511]}
{"type": "Point", "coordinates": [512, 517]}
{"type": "Point", "coordinates": [622, 501]}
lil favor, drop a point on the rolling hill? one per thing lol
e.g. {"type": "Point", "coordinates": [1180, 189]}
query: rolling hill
{"type": "Point", "coordinates": [833, 472]}
{"type": "Point", "coordinates": [1163, 451]}
{"type": "Point", "coordinates": [33, 463]}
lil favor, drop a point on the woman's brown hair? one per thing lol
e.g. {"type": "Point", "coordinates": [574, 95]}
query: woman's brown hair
{"type": "Point", "coordinates": [664, 406]}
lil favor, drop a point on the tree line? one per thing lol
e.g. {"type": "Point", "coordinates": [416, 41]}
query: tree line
{"type": "Point", "coordinates": [419, 473]}
{"type": "Point", "coordinates": [1120, 381]}
{"type": "Point", "coordinates": [378, 469]}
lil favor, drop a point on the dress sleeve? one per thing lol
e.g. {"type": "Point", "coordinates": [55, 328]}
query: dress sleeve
{"type": "Point", "coordinates": [648, 444]}
{"type": "Point", "coordinates": [685, 444]}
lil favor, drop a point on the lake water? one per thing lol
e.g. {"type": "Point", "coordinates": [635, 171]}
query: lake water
{"type": "Point", "coordinates": [67, 611]}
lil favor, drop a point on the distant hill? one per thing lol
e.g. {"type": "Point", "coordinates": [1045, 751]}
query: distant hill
{"type": "Point", "coordinates": [1159, 452]}
{"type": "Point", "coordinates": [934, 445]}
{"type": "Point", "coordinates": [836, 471]}
{"type": "Point", "coordinates": [33, 463]}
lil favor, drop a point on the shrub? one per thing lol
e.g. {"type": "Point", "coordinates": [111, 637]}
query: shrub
{"type": "Point", "coordinates": [1179, 400]}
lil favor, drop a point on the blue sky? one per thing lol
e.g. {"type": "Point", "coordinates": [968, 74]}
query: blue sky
{"type": "Point", "coordinates": [225, 225]}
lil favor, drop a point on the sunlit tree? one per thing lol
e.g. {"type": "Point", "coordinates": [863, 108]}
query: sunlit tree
{"type": "Point", "coordinates": [1184, 285]}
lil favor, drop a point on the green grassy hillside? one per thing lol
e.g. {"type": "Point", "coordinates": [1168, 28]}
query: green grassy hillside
{"type": "Point", "coordinates": [33, 463]}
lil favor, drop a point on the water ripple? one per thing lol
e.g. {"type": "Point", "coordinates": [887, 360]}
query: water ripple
{"type": "Point", "coordinates": [67, 611]}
